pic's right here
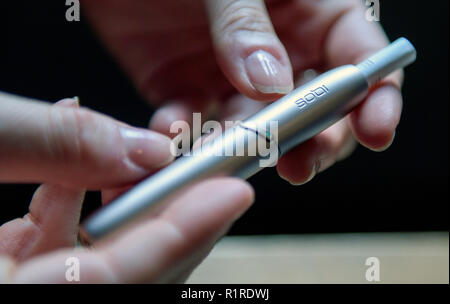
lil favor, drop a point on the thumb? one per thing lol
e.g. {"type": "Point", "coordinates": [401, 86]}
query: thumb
{"type": "Point", "coordinates": [248, 49]}
{"type": "Point", "coordinates": [73, 147]}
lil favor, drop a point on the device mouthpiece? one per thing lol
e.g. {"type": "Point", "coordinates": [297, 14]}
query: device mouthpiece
{"type": "Point", "coordinates": [397, 55]}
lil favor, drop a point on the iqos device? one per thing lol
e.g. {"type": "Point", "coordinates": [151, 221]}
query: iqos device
{"type": "Point", "coordinates": [300, 115]}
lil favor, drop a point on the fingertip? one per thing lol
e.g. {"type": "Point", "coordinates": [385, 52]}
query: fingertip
{"type": "Point", "coordinates": [248, 50]}
{"type": "Point", "coordinates": [387, 142]}
{"type": "Point", "coordinates": [374, 122]}
{"type": "Point", "coordinates": [297, 178]}
{"type": "Point", "coordinates": [245, 191]}
{"type": "Point", "coordinates": [146, 148]}
{"type": "Point", "coordinates": [299, 165]}
{"type": "Point", "coordinates": [165, 116]}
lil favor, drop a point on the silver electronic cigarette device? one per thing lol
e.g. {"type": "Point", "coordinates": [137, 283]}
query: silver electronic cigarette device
{"type": "Point", "coordinates": [300, 115]}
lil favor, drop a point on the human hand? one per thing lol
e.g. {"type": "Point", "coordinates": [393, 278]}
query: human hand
{"type": "Point", "coordinates": [183, 63]}
{"type": "Point", "coordinates": [71, 149]}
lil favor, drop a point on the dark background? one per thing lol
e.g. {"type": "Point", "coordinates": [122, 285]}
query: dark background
{"type": "Point", "coordinates": [405, 188]}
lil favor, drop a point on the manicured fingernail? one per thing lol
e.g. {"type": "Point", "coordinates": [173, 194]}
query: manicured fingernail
{"type": "Point", "coordinates": [267, 74]}
{"type": "Point", "coordinates": [146, 149]}
{"type": "Point", "coordinates": [384, 148]}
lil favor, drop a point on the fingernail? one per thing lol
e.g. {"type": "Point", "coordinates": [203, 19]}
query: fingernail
{"type": "Point", "coordinates": [76, 99]}
{"type": "Point", "coordinates": [267, 74]}
{"type": "Point", "coordinates": [317, 166]}
{"type": "Point", "coordinates": [69, 102]}
{"type": "Point", "coordinates": [146, 149]}
{"type": "Point", "coordinates": [384, 148]}
{"type": "Point", "coordinates": [314, 170]}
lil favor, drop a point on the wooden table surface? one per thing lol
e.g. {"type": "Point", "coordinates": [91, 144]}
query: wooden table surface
{"type": "Point", "coordinates": [412, 257]}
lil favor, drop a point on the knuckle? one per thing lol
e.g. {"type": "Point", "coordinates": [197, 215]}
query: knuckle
{"type": "Point", "coordinates": [62, 127]}
{"type": "Point", "coordinates": [96, 139]}
{"type": "Point", "coordinates": [78, 136]}
{"type": "Point", "coordinates": [243, 16]}
{"type": "Point", "coordinates": [84, 125]}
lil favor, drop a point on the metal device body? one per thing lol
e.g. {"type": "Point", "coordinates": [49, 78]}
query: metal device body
{"type": "Point", "coordinates": [300, 115]}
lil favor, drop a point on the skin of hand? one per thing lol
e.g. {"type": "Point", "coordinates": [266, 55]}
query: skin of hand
{"type": "Point", "coordinates": [70, 149]}
{"type": "Point", "coordinates": [225, 58]}
{"type": "Point", "coordinates": [220, 58]}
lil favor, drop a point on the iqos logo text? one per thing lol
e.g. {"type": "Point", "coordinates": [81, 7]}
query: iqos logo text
{"type": "Point", "coordinates": [312, 96]}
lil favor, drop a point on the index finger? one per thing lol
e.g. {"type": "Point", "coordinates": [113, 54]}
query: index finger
{"type": "Point", "coordinates": [74, 147]}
